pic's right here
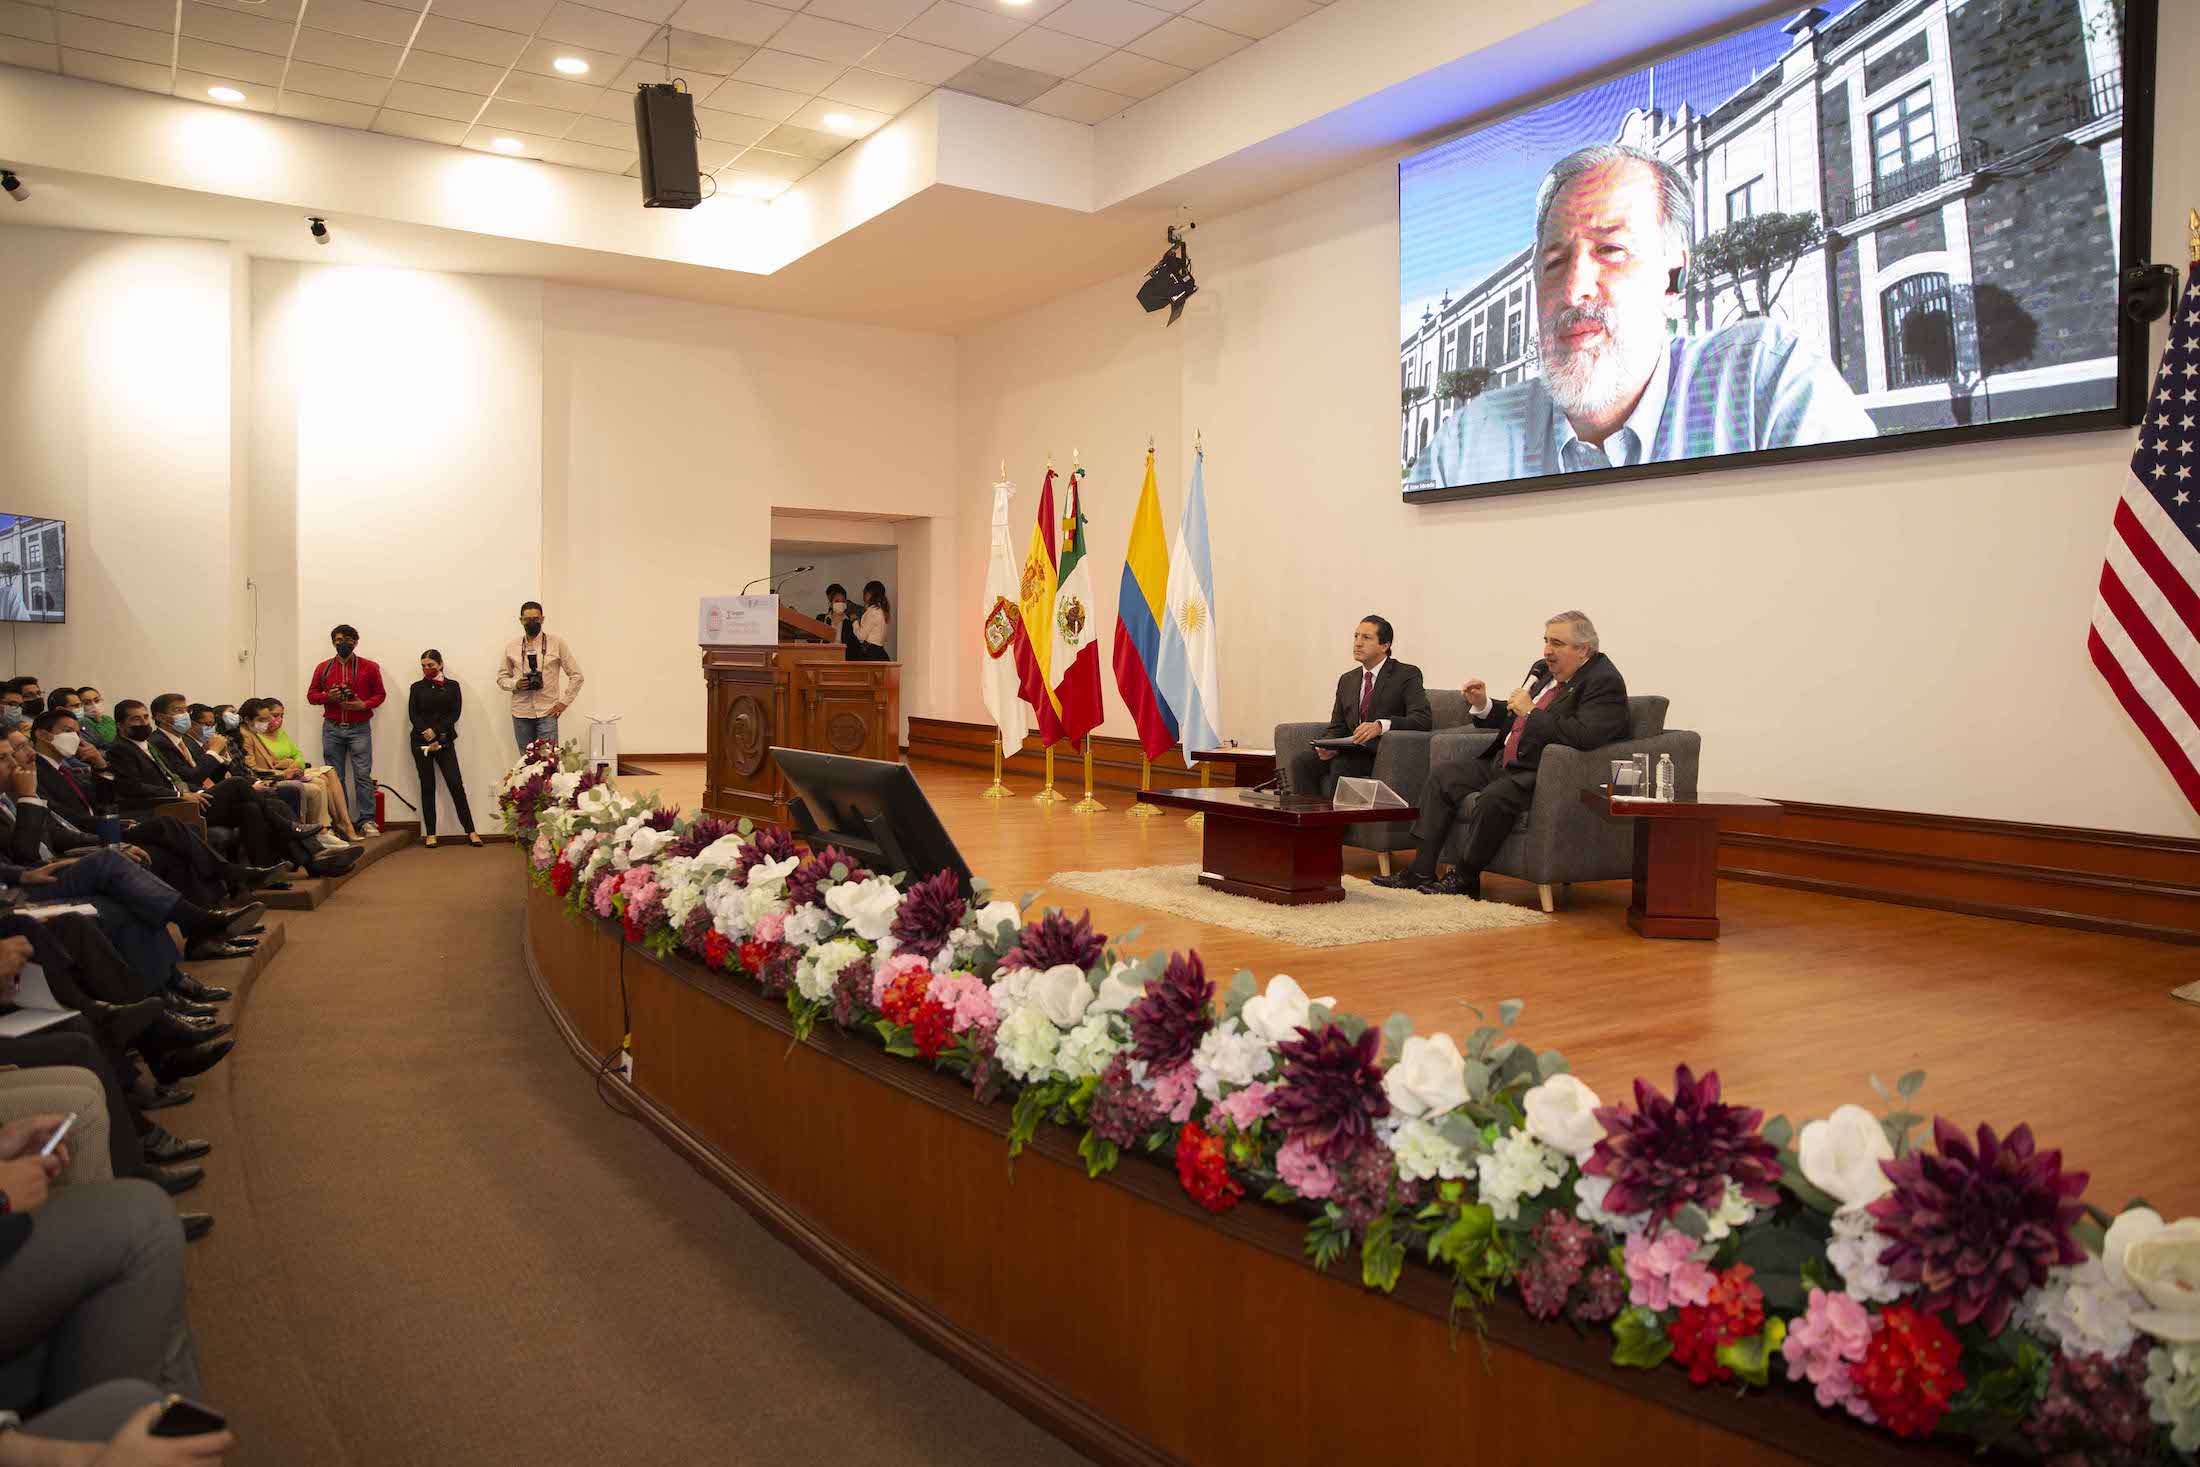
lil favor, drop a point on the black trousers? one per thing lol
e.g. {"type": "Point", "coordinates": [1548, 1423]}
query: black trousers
{"type": "Point", "coordinates": [181, 858]}
{"type": "Point", "coordinates": [1314, 776]}
{"type": "Point", "coordinates": [445, 757]}
{"type": "Point", "coordinates": [74, 1042]}
{"type": "Point", "coordinates": [96, 967]}
{"type": "Point", "coordinates": [1505, 796]}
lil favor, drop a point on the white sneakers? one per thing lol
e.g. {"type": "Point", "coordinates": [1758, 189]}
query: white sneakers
{"type": "Point", "coordinates": [368, 827]}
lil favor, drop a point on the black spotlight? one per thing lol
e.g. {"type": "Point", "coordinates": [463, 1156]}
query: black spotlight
{"type": "Point", "coordinates": [13, 185]}
{"type": "Point", "coordinates": [318, 228]}
{"type": "Point", "coordinates": [1169, 283]}
{"type": "Point", "coordinates": [2149, 291]}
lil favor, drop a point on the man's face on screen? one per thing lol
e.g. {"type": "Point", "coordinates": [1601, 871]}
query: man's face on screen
{"type": "Point", "coordinates": [1603, 273]}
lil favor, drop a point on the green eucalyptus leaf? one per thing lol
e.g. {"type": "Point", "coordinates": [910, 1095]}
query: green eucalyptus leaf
{"type": "Point", "coordinates": [1397, 1029]}
{"type": "Point", "coordinates": [1693, 1221]}
{"type": "Point", "coordinates": [1460, 1130]}
{"type": "Point", "coordinates": [1877, 1087]}
{"type": "Point", "coordinates": [1550, 1063]}
{"type": "Point", "coordinates": [1910, 1084]}
{"type": "Point", "coordinates": [1478, 1079]}
{"type": "Point", "coordinates": [1125, 939]}
{"type": "Point", "coordinates": [1241, 990]}
{"type": "Point", "coordinates": [979, 886]}
{"type": "Point", "coordinates": [1352, 1025]}
{"type": "Point", "coordinates": [839, 871]}
{"type": "Point", "coordinates": [1779, 1131]}
{"type": "Point", "coordinates": [1508, 1012]}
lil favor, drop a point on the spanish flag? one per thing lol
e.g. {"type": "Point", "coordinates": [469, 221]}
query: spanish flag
{"type": "Point", "coordinates": [1140, 604]}
{"type": "Point", "coordinates": [1035, 646]}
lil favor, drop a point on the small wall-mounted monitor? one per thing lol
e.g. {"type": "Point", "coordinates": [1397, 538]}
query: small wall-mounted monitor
{"type": "Point", "coordinates": [33, 568]}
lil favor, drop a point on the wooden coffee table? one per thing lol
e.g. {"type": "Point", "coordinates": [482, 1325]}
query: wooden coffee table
{"type": "Point", "coordinates": [1677, 857]}
{"type": "Point", "coordinates": [1289, 851]}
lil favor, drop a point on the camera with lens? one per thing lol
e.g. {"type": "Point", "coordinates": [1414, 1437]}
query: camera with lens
{"type": "Point", "coordinates": [531, 680]}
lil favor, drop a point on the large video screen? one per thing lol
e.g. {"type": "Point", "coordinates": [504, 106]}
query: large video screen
{"type": "Point", "coordinates": [1868, 224]}
{"type": "Point", "coordinates": [33, 565]}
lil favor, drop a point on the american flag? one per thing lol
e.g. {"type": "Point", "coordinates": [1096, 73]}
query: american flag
{"type": "Point", "coordinates": [2146, 617]}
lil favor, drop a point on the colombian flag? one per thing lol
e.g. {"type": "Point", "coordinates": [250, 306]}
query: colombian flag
{"type": "Point", "coordinates": [1139, 604]}
{"type": "Point", "coordinates": [1035, 646]}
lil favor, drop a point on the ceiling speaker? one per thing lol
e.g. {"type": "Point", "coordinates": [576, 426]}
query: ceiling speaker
{"type": "Point", "coordinates": [664, 128]}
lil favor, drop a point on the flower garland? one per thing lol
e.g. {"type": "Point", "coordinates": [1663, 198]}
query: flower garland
{"type": "Point", "coordinates": [1957, 1288]}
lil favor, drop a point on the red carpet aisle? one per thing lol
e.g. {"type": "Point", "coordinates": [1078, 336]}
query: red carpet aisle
{"type": "Point", "coordinates": [436, 1246]}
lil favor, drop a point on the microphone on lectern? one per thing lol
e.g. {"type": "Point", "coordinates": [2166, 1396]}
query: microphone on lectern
{"type": "Point", "coordinates": [777, 580]}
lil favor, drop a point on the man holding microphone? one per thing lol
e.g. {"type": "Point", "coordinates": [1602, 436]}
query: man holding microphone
{"type": "Point", "coordinates": [541, 674]}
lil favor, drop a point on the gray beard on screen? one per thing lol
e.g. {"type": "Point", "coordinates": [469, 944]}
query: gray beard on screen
{"type": "Point", "coordinates": [1594, 382]}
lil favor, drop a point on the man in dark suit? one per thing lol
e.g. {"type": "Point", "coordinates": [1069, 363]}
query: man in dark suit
{"type": "Point", "coordinates": [1574, 697]}
{"type": "Point", "coordinates": [1378, 695]}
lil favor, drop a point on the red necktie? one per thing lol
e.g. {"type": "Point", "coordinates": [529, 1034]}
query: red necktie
{"type": "Point", "coordinates": [1367, 692]}
{"type": "Point", "coordinates": [1520, 726]}
{"type": "Point", "coordinates": [63, 770]}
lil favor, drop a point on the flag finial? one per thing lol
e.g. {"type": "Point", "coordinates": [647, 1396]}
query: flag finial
{"type": "Point", "coordinates": [2192, 224]}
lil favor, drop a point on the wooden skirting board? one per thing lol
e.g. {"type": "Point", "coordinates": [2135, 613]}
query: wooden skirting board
{"type": "Point", "coordinates": [2096, 880]}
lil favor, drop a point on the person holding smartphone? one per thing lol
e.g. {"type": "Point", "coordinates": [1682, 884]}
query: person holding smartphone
{"type": "Point", "coordinates": [433, 708]}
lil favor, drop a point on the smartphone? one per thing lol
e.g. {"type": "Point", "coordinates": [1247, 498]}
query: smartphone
{"type": "Point", "coordinates": [181, 1417]}
{"type": "Point", "coordinates": [53, 1142]}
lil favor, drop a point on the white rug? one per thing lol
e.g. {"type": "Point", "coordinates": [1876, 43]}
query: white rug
{"type": "Point", "coordinates": [1368, 913]}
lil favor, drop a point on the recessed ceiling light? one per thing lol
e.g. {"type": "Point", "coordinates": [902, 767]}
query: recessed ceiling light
{"type": "Point", "coordinates": [840, 122]}
{"type": "Point", "coordinates": [508, 145]}
{"type": "Point", "coordinates": [225, 94]}
{"type": "Point", "coordinates": [1017, 4]}
{"type": "Point", "coordinates": [571, 65]}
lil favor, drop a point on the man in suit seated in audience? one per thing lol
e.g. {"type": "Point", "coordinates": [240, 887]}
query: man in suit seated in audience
{"type": "Point", "coordinates": [1574, 696]}
{"type": "Point", "coordinates": [176, 852]}
{"type": "Point", "coordinates": [1378, 695]}
{"type": "Point", "coordinates": [266, 824]}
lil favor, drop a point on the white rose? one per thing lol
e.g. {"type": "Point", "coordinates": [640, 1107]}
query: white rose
{"type": "Point", "coordinates": [868, 906]}
{"type": "Point", "coordinates": [1841, 1156]}
{"type": "Point", "coordinates": [1429, 1078]}
{"type": "Point", "coordinates": [2161, 1261]}
{"type": "Point", "coordinates": [770, 873]}
{"type": "Point", "coordinates": [563, 785]}
{"type": "Point", "coordinates": [1061, 993]}
{"type": "Point", "coordinates": [722, 852]}
{"type": "Point", "coordinates": [1281, 1012]}
{"type": "Point", "coordinates": [1562, 1115]}
{"type": "Point", "coordinates": [646, 844]}
{"type": "Point", "coordinates": [1025, 1044]}
{"type": "Point", "coordinates": [1117, 991]}
{"type": "Point", "coordinates": [995, 915]}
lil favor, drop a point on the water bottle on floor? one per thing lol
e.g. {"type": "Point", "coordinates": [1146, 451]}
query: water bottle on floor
{"type": "Point", "coordinates": [1665, 776]}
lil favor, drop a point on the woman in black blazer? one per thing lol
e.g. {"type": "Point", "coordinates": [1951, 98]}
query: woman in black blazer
{"type": "Point", "coordinates": [432, 709]}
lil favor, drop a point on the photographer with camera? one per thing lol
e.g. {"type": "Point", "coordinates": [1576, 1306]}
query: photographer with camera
{"type": "Point", "coordinates": [542, 676]}
{"type": "Point", "coordinates": [348, 688]}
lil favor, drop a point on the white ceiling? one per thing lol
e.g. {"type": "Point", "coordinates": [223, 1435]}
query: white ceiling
{"type": "Point", "coordinates": [765, 77]}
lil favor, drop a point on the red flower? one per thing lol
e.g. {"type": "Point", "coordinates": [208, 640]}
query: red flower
{"type": "Point", "coordinates": [634, 932]}
{"type": "Point", "coordinates": [904, 997]}
{"type": "Point", "coordinates": [935, 1029]}
{"type": "Point", "coordinates": [717, 947]}
{"type": "Point", "coordinates": [1910, 1370]}
{"type": "Point", "coordinates": [754, 955]}
{"type": "Point", "coordinates": [1200, 1166]}
{"type": "Point", "coordinates": [561, 876]}
{"type": "Point", "coordinates": [1736, 1311]}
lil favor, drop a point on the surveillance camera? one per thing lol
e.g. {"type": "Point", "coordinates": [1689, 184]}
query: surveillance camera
{"type": "Point", "coordinates": [13, 185]}
{"type": "Point", "coordinates": [318, 228]}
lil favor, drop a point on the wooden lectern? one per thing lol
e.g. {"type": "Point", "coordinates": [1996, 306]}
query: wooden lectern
{"type": "Point", "coordinates": [801, 694]}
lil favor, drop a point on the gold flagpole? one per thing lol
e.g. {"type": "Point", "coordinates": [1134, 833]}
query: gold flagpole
{"type": "Point", "coordinates": [1141, 810]}
{"type": "Point", "coordinates": [1088, 805]}
{"type": "Point", "coordinates": [1199, 822]}
{"type": "Point", "coordinates": [997, 791]}
{"type": "Point", "coordinates": [1049, 795]}
{"type": "Point", "coordinates": [2192, 223]}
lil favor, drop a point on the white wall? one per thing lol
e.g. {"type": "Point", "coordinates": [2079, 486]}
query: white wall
{"type": "Point", "coordinates": [671, 433]}
{"type": "Point", "coordinates": [114, 409]}
{"type": "Point", "coordinates": [1903, 631]}
{"type": "Point", "coordinates": [410, 412]}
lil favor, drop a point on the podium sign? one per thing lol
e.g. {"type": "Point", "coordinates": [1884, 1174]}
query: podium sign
{"type": "Point", "coordinates": [738, 621]}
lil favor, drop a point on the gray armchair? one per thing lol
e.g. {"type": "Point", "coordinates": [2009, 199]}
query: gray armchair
{"type": "Point", "coordinates": [1401, 761]}
{"type": "Point", "coordinates": [1559, 840]}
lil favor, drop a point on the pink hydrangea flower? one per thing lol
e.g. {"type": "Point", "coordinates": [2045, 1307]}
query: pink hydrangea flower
{"type": "Point", "coordinates": [644, 898]}
{"type": "Point", "coordinates": [886, 974]}
{"type": "Point", "coordinates": [771, 928]}
{"type": "Point", "coordinates": [1245, 1107]}
{"type": "Point", "coordinates": [1303, 1171]}
{"type": "Point", "coordinates": [607, 886]}
{"type": "Point", "coordinates": [1822, 1345]}
{"type": "Point", "coordinates": [967, 998]}
{"type": "Point", "coordinates": [1177, 1089]}
{"type": "Point", "coordinates": [1662, 1274]}
{"type": "Point", "coordinates": [544, 853]}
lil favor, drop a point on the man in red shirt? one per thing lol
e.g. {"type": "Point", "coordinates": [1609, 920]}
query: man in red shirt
{"type": "Point", "coordinates": [348, 688]}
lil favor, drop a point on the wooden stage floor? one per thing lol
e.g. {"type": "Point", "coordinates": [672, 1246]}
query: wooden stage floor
{"type": "Point", "coordinates": [1801, 999]}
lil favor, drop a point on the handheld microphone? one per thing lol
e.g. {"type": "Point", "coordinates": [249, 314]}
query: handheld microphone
{"type": "Point", "coordinates": [1537, 671]}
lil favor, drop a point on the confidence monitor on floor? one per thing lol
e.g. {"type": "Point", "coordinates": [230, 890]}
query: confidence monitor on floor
{"type": "Point", "coordinates": [869, 808]}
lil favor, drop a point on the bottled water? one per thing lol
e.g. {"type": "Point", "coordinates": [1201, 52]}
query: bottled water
{"type": "Point", "coordinates": [1665, 776]}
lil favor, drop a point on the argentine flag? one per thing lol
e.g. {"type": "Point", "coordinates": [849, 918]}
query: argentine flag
{"type": "Point", "coordinates": [1187, 674]}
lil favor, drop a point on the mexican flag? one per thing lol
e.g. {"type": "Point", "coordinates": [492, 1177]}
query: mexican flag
{"type": "Point", "coordinates": [1075, 659]}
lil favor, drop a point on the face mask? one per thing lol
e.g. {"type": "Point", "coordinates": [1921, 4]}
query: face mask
{"type": "Point", "coordinates": [97, 710]}
{"type": "Point", "coordinates": [66, 745]}
{"type": "Point", "coordinates": [181, 723]}
{"type": "Point", "coordinates": [345, 649]}
{"type": "Point", "coordinates": [229, 720]}
{"type": "Point", "coordinates": [33, 706]}
{"type": "Point", "coordinates": [839, 606]}
{"type": "Point", "coordinates": [138, 733]}
{"type": "Point", "coordinates": [10, 714]}
{"type": "Point", "coordinates": [532, 628]}
{"type": "Point", "coordinates": [259, 725]}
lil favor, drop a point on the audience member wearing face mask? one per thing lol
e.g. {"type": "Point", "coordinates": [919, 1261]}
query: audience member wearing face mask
{"type": "Point", "coordinates": [347, 688]}
{"type": "Point", "coordinates": [322, 798]}
{"type": "Point", "coordinates": [95, 722]}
